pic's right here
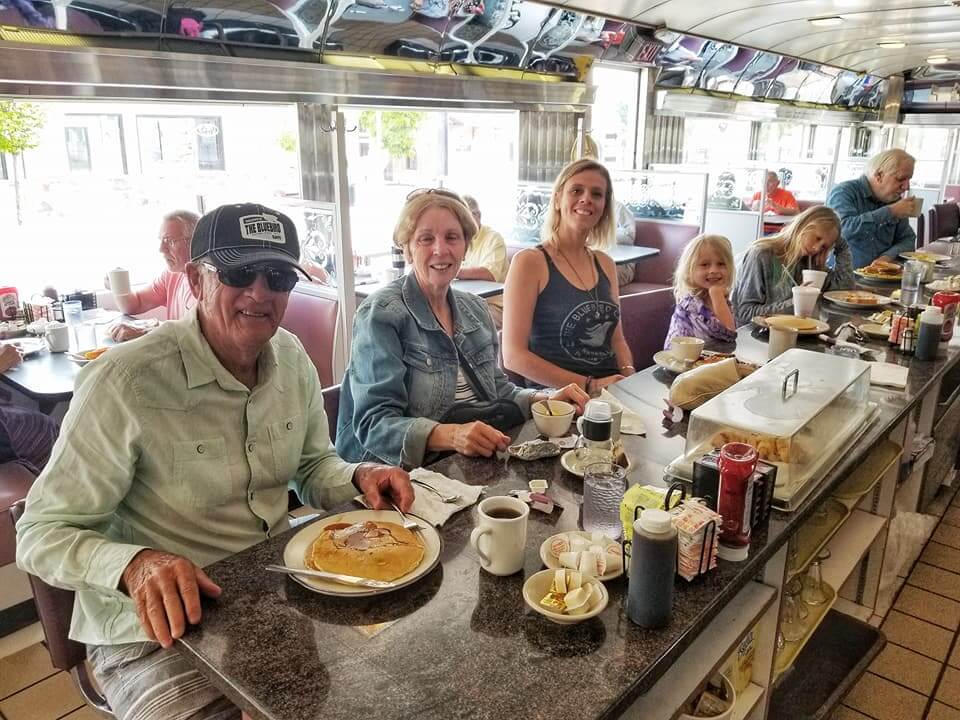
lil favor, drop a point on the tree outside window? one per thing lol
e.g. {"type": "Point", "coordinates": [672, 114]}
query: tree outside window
{"type": "Point", "coordinates": [20, 124]}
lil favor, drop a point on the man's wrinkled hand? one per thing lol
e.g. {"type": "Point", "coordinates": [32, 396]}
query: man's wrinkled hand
{"type": "Point", "coordinates": [9, 357]}
{"type": "Point", "coordinates": [382, 483]}
{"type": "Point", "coordinates": [121, 332]}
{"type": "Point", "coordinates": [166, 590]}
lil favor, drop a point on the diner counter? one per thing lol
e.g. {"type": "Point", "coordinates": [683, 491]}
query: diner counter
{"type": "Point", "coordinates": [461, 642]}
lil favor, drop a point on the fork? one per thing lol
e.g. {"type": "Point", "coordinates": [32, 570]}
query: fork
{"type": "Point", "coordinates": [408, 523]}
{"type": "Point", "coordinates": [431, 488]}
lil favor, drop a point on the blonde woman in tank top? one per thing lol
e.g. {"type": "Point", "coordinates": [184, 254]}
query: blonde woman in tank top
{"type": "Point", "coordinates": [561, 300]}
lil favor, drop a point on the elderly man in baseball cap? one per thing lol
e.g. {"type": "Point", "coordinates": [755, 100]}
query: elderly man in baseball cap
{"type": "Point", "coordinates": [177, 451]}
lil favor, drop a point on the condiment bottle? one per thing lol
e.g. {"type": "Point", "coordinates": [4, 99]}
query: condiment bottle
{"type": "Point", "coordinates": [931, 325]}
{"type": "Point", "coordinates": [737, 463]}
{"type": "Point", "coordinates": [653, 565]}
{"type": "Point", "coordinates": [947, 302]}
{"type": "Point", "coordinates": [594, 444]}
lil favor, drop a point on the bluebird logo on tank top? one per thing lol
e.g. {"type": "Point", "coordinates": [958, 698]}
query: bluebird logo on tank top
{"type": "Point", "coordinates": [586, 332]}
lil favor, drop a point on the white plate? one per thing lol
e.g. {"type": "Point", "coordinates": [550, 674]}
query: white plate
{"type": "Point", "coordinates": [876, 330]}
{"type": "Point", "coordinates": [933, 257]}
{"type": "Point", "coordinates": [554, 564]}
{"type": "Point", "coordinates": [27, 346]}
{"type": "Point", "coordinates": [821, 326]}
{"type": "Point", "coordinates": [668, 361]}
{"type": "Point", "coordinates": [839, 297]}
{"type": "Point", "coordinates": [632, 424]}
{"type": "Point", "coordinates": [293, 553]}
{"type": "Point", "coordinates": [77, 358]}
{"type": "Point", "coordinates": [569, 463]}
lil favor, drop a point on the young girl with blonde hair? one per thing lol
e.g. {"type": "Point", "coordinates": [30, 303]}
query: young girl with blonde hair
{"type": "Point", "coordinates": [773, 265]}
{"type": "Point", "coordinates": [701, 285]}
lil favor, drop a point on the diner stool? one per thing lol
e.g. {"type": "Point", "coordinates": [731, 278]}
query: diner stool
{"type": "Point", "coordinates": [55, 606]}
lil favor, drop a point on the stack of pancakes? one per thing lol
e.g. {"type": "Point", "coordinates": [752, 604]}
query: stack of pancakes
{"type": "Point", "coordinates": [375, 550]}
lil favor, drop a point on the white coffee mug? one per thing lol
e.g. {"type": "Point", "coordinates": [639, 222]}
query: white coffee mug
{"type": "Point", "coordinates": [119, 281]}
{"type": "Point", "coordinates": [500, 537]}
{"type": "Point", "coordinates": [57, 335]}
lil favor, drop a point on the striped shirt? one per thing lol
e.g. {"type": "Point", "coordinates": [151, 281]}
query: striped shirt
{"type": "Point", "coordinates": [465, 391]}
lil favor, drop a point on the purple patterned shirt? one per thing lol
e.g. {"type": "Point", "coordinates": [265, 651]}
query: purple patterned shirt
{"type": "Point", "coordinates": [692, 318]}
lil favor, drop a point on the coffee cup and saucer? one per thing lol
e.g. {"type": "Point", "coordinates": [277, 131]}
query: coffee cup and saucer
{"type": "Point", "coordinates": [683, 352]}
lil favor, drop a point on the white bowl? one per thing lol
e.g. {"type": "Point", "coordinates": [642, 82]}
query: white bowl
{"type": "Point", "coordinates": [558, 423]}
{"type": "Point", "coordinates": [686, 348]}
{"type": "Point", "coordinates": [538, 584]}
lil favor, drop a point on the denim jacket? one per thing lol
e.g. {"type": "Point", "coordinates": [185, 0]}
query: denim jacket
{"type": "Point", "coordinates": [867, 225]}
{"type": "Point", "coordinates": [403, 372]}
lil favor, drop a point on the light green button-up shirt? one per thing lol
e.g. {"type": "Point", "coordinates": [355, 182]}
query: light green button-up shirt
{"type": "Point", "coordinates": [163, 448]}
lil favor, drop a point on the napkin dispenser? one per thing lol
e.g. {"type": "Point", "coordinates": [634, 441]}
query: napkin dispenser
{"type": "Point", "coordinates": [706, 485]}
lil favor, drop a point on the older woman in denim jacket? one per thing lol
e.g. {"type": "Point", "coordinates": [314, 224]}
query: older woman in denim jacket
{"type": "Point", "coordinates": [420, 348]}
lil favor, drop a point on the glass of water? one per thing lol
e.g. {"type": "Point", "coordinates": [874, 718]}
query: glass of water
{"type": "Point", "coordinates": [913, 271]}
{"type": "Point", "coordinates": [604, 484]}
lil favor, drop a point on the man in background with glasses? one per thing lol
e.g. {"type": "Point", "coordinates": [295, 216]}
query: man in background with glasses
{"type": "Point", "coordinates": [176, 452]}
{"type": "Point", "coordinates": [171, 289]}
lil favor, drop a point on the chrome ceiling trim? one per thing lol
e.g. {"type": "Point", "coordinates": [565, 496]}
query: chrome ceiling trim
{"type": "Point", "coordinates": [92, 72]}
{"type": "Point", "coordinates": [685, 103]}
{"type": "Point", "coordinates": [937, 119]}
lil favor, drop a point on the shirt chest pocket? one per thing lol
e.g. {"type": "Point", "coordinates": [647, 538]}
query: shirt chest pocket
{"type": "Point", "coordinates": [202, 474]}
{"type": "Point", "coordinates": [424, 381]}
{"type": "Point", "coordinates": [286, 441]}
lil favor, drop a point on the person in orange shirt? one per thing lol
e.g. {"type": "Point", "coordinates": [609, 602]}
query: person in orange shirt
{"type": "Point", "coordinates": [779, 201]}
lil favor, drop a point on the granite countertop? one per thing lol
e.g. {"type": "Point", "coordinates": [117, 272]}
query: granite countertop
{"type": "Point", "coordinates": [461, 642]}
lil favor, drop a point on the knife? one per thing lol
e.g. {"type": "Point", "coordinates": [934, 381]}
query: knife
{"type": "Point", "coordinates": [334, 577]}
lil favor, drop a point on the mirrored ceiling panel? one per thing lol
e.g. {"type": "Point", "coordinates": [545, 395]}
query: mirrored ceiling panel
{"type": "Point", "coordinates": [238, 21]}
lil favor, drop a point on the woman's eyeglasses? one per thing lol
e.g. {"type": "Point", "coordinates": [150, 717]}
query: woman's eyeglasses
{"type": "Point", "coordinates": [435, 191]}
{"type": "Point", "coordinates": [278, 279]}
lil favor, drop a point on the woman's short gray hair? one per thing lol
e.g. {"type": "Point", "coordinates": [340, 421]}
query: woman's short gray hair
{"type": "Point", "coordinates": [887, 162]}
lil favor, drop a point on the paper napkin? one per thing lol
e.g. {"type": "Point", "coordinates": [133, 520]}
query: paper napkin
{"type": "Point", "coordinates": [428, 506]}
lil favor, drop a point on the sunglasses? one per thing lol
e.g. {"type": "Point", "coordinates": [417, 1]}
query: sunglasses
{"type": "Point", "coordinates": [278, 279]}
{"type": "Point", "coordinates": [434, 191]}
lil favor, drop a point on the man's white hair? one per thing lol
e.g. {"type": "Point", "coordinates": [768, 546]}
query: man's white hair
{"type": "Point", "coordinates": [887, 162]}
{"type": "Point", "coordinates": [186, 218]}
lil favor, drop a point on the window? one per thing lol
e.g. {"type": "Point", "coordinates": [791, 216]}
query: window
{"type": "Point", "coordinates": [78, 149]}
{"type": "Point", "coordinates": [614, 116]}
{"type": "Point", "coordinates": [181, 142]}
{"type": "Point", "coordinates": [95, 144]}
{"type": "Point", "coordinates": [79, 165]}
{"type": "Point", "coordinates": [396, 151]}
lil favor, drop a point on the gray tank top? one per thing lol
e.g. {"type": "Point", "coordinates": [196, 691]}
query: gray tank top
{"type": "Point", "coordinates": [573, 328]}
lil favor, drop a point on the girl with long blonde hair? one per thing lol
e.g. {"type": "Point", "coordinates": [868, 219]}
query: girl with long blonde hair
{"type": "Point", "coordinates": [773, 265]}
{"type": "Point", "coordinates": [561, 300]}
{"type": "Point", "coordinates": [701, 284]}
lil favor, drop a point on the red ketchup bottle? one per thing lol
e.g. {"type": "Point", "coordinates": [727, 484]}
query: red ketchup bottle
{"type": "Point", "coordinates": [947, 302]}
{"type": "Point", "coordinates": [9, 303]}
{"type": "Point", "coordinates": [737, 463]}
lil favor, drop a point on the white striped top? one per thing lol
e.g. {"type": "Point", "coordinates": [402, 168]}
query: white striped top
{"type": "Point", "coordinates": [465, 391]}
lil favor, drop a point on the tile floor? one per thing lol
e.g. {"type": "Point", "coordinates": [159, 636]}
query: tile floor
{"type": "Point", "coordinates": [915, 677]}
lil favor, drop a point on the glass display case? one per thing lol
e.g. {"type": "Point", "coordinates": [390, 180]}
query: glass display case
{"type": "Point", "coordinates": [800, 411]}
{"type": "Point", "coordinates": [658, 195]}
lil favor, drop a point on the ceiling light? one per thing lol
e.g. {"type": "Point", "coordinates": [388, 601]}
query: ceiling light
{"type": "Point", "coordinates": [891, 44]}
{"type": "Point", "coordinates": [937, 60]}
{"type": "Point", "coordinates": [826, 21]}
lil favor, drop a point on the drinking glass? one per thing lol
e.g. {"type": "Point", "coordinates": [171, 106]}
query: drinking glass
{"type": "Point", "coordinates": [813, 592]}
{"type": "Point", "coordinates": [73, 312]}
{"type": "Point", "coordinates": [790, 625]}
{"type": "Point", "coordinates": [603, 487]}
{"type": "Point", "coordinates": [913, 271]}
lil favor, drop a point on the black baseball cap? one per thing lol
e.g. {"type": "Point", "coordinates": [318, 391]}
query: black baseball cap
{"type": "Point", "coordinates": [235, 235]}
